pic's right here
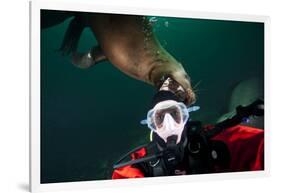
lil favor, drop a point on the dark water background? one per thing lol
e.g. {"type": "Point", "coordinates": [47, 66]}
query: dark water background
{"type": "Point", "coordinates": [89, 118]}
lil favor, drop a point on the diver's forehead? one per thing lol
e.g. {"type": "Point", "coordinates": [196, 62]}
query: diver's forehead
{"type": "Point", "coordinates": [165, 104]}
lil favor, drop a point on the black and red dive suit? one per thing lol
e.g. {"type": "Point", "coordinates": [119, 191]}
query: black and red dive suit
{"type": "Point", "coordinates": [245, 149]}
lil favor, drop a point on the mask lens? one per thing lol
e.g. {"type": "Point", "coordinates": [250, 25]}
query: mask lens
{"type": "Point", "coordinates": [174, 111]}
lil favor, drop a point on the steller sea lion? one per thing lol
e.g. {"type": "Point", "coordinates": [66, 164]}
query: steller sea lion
{"type": "Point", "coordinates": [129, 43]}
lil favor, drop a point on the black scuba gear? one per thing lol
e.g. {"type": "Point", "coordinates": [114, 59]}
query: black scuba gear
{"type": "Point", "coordinates": [196, 153]}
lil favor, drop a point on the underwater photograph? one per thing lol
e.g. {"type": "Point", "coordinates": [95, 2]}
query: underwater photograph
{"type": "Point", "coordinates": [132, 96]}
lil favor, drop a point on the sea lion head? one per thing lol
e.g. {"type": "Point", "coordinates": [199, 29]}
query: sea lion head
{"type": "Point", "coordinates": [176, 72]}
{"type": "Point", "coordinates": [183, 79]}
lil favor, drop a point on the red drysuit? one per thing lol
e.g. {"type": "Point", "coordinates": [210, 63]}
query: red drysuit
{"type": "Point", "coordinates": [245, 145]}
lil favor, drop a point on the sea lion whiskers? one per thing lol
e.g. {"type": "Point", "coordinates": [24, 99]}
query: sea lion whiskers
{"type": "Point", "coordinates": [195, 87]}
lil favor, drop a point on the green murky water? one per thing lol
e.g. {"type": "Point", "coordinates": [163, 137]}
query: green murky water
{"type": "Point", "coordinates": [89, 118]}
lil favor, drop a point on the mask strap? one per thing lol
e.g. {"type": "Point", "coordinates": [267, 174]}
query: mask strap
{"type": "Point", "coordinates": [193, 108]}
{"type": "Point", "coordinates": [143, 122]}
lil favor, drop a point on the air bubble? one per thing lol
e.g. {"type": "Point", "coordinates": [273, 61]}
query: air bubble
{"type": "Point", "coordinates": [153, 20]}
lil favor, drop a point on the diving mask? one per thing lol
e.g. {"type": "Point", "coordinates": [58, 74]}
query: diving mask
{"type": "Point", "coordinates": [168, 118]}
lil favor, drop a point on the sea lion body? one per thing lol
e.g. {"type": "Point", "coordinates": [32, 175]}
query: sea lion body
{"type": "Point", "coordinates": [129, 43]}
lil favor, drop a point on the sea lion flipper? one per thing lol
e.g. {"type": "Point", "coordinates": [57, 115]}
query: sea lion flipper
{"type": "Point", "coordinates": [88, 59]}
{"type": "Point", "coordinates": [71, 38]}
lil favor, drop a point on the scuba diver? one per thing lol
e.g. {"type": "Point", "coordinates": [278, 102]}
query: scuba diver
{"type": "Point", "coordinates": [180, 146]}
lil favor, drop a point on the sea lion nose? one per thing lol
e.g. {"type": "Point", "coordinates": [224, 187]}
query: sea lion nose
{"type": "Point", "coordinates": [183, 79]}
{"type": "Point", "coordinates": [190, 96]}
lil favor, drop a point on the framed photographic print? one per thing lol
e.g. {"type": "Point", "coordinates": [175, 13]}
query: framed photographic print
{"type": "Point", "coordinates": [158, 95]}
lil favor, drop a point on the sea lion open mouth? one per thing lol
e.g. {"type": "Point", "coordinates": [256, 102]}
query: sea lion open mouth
{"type": "Point", "coordinates": [129, 43]}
